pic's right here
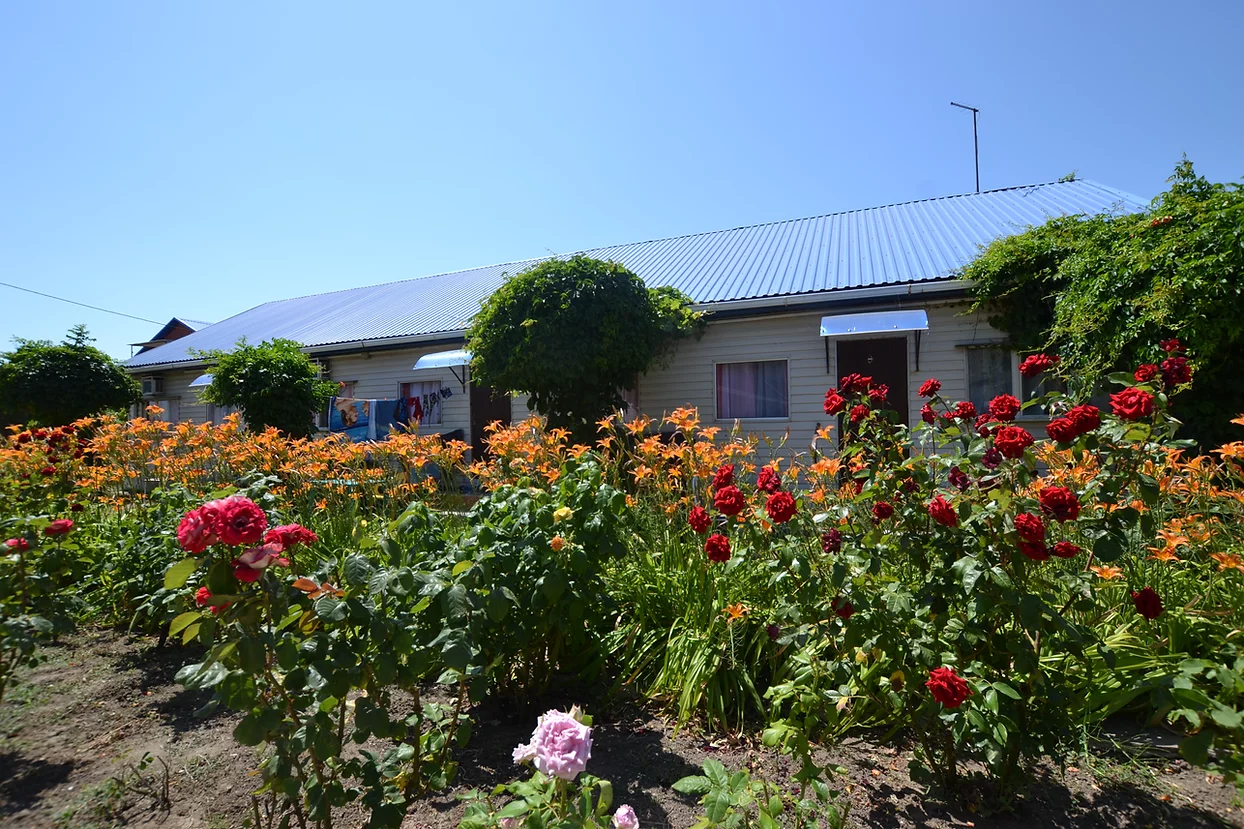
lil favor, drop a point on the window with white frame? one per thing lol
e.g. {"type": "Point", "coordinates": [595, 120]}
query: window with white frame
{"type": "Point", "coordinates": [991, 372]}
{"type": "Point", "coordinates": [752, 390]}
{"type": "Point", "coordinates": [423, 402]}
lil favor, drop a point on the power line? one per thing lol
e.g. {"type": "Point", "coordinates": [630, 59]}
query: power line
{"type": "Point", "coordinates": [83, 304]}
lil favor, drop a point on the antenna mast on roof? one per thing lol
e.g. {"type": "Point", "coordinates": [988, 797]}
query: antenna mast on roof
{"type": "Point", "coordinates": [976, 147]}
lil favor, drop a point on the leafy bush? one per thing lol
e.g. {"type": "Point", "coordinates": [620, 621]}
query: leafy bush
{"type": "Point", "coordinates": [529, 336]}
{"type": "Point", "coordinates": [54, 385]}
{"type": "Point", "coordinates": [272, 384]}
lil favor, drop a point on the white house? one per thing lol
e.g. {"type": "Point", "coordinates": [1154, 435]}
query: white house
{"type": "Point", "coordinates": [794, 305]}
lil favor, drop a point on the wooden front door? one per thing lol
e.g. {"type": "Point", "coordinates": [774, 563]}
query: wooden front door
{"type": "Point", "coordinates": [884, 360]}
{"type": "Point", "coordinates": [486, 406]}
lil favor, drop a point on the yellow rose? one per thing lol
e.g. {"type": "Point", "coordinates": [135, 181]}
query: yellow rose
{"type": "Point", "coordinates": [563, 514]}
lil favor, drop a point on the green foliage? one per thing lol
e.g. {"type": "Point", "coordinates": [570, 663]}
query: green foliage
{"type": "Point", "coordinates": [542, 803]}
{"type": "Point", "coordinates": [272, 384]}
{"type": "Point", "coordinates": [1102, 291]}
{"type": "Point", "coordinates": [740, 801]}
{"type": "Point", "coordinates": [572, 334]}
{"type": "Point", "coordinates": [58, 384]}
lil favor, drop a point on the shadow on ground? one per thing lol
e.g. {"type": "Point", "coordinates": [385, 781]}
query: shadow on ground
{"type": "Point", "coordinates": [23, 781]}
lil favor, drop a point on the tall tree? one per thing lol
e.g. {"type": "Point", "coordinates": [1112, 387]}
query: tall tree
{"type": "Point", "coordinates": [572, 334]}
{"type": "Point", "coordinates": [55, 384]}
{"type": "Point", "coordinates": [1103, 291]}
{"type": "Point", "coordinates": [271, 384]}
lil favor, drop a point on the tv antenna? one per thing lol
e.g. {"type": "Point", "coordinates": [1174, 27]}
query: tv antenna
{"type": "Point", "coordinates": [976, 147]}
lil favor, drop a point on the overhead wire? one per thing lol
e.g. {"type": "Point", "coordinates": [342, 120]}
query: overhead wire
{"type": "Point", "coordinates": [83, 304]}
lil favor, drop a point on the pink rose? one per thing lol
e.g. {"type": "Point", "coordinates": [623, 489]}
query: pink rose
{"type": "Point", "coordinates": [625, 818]}
{"type": "Point", "coordinates": [560, 746]}
{"type": "Point", "coordinates": [195, 533]}
{"type": "Point", "coordinates": [289, 535]}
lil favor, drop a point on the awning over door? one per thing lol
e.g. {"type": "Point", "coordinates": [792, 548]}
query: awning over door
{"type": "Point", "coordinates": [874, 322]}
{"type": "Point", "coordinates": [201, 381]}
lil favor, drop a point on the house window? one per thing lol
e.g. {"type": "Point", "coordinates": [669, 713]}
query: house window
{"type": "Point", "coordinates": [1039, 386]}
{"type": "Point", "coordinates": [423, 401]}
{"type": "Point", "coordinates": [752, 390]}
{"type": "Point", "coordinates": [989, 374]}
{"type": "Point", "coordinates": [171, 407]}
{"type": "Point", "coordinates": [216, 414]}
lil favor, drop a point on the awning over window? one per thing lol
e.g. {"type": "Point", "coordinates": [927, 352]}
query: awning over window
{"type": "Point", "coordinates": [874, 322]}
{"type": "Point", "coordinates": [443, 359]}
{"type": "Point", "coordinates": [201, 381]}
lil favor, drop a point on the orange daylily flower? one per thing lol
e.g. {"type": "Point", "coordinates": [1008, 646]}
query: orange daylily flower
{"type": "Point", "coordinates": [1106, 572]}
{"type": "Point", "coordinates": [734, 612]}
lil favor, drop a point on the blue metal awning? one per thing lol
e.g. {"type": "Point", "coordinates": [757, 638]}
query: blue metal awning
{"type": "Point", "coordinates": [201, 381]}
{"type": "Point", "coordinates": [443, 359]}
{"type": "Point", "coordinates": [874, 322]}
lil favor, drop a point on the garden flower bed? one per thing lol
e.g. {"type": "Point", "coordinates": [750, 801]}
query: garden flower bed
{"type": "Point", "coordinates": [975, 599]}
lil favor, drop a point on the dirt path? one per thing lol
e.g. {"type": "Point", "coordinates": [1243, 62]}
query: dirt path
{"type": "Point", "coordinates": [72, 732]}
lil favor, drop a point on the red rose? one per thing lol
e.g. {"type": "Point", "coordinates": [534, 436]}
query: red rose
{"type": "Point", "coordinates": [1062, 429]}
{"type": "Point", "coordinates": [1004, 407]}
{"type": "Point", "coordinates": [1030, 527]}
{"type": "Point", "coordinates": [964, 410]}
{"type": "Point", "coordinates": [943, 513]}
{"type": "Point", "coordinates": [877, 394]}
{"type": "Point", "coordinates": [218, 609]}
{"type": "Point", "coordinates": [1147, 602]}
{"type": "Point", "coordinates": [48, 471]}
{"type": "Point", "coordinates": [910, 485]}
{"type": "Point", "coordinates": [729, 501]}
{"type": "Point", "coordinates": [195, 533]}
{"type": "Point", "coordinates": [959, 479]}
{"type": "Point", "coordinates": [1085, 417]}
{"type": "Point", "coordinates": [289, 535]}
{"type": "Point", "coordinates": [237, 520]}
{"type": "Point", "coordinates": [930, 387]}
{"type": "Point", "coordinates": [1145, 373]}
{"type": "Point", "coordinates": [76, 507]}
{"type": "Point", "coordinates": [724, 476]}
{"type": "Point", "coordinates": [927, 415]}
{"type": "Point", "coordinates": [842, 608]}
{"type": "Point", "coordinates": [1176, 371]}
{"type": "Point", "coordinates": [1035, 550]}
{"type": "Point", "coordinates": [202, 597]}
{"type": "Point", "coordinates": [780, 507]}
{"type": "Point", "coordinates": [1132, 403]}
{"type": "Point", "coordinates": [1011, 441]}
{"type": "Point", "coordinates": [768, 480]}
{"type": "Point", "coordinates": [59, 527]}
{"type": "Point", "coordinates": [982, 425]}
{"type": "Point", "coordinates": [858, 413]}
{"type": "Point", "coordinates": [881, 511]}
{"type": "Point", "coordinates": [831, 541]}
{"type": "Point", "coordinates": [834, 402]}
{"type": "Point", "coordinates": [718, 548]}
{"type": "Point", "coordinates": [1037, 363]}
{"type": "Point", "coordinates": [1060, 503]}
{"type": "Point", "coordinates": [24, 437]}
{"type": "Point", "coordinates": [947, 687]}
{"type": "Point", "coordinates": [1065, 549]}
{"type": "Point", "coordinates": [699, 519]}
{"type": "Point", "coordinates": [992, 458]}
{"type": "Point", "coordinates": [1172, 346]}
{"type": "Point", "coordinates": [18, 544]}
{"type": "Point", "coordinates": [855, 383]}
{"type": "Point", "coordinates": [245, 574]}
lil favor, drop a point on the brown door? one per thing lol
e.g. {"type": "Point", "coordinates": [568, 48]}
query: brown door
{"type": "Point", "coordinates": [883, 360]}
{"type": "Point", "coordinates": [486, 406]}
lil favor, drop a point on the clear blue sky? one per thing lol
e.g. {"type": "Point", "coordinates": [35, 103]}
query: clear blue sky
{"type": "Point", "coordinates": [196, 159]}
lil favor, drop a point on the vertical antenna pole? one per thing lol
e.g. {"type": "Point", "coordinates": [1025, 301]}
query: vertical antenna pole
{"type": "Point", "coordinates": [976, 147]}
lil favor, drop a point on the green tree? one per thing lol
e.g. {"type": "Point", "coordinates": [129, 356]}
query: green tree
{"type": "Point", "coordinates": [1103, 291]}
{"type": "Point", "coordinates": [573, 333]}
{"type": "Point", "coordinates": [272, 384]}
{"type": "Point", "coordinates": [57, 384]}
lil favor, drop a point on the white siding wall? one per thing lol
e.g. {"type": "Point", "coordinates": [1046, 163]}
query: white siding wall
{"type": "Point", "coordinates": [690, 378]}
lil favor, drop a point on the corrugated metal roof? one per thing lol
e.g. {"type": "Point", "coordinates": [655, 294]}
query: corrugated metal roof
{"type": "Point", "coordinates": [898, 244]}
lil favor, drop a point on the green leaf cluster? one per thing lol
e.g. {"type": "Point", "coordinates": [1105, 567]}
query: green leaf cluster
{"type": "Point", "coordinates": [56, 384]}
{"type": "Point", "coordinates": [1103, 291]}
{"type": "Point", "coordinates": [573, 333]}
{"type": "Point", "coordinates": [273, 384]}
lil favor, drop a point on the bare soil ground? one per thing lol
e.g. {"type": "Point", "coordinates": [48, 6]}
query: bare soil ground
{"type": "Point", "coordinates": [74, 731]}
